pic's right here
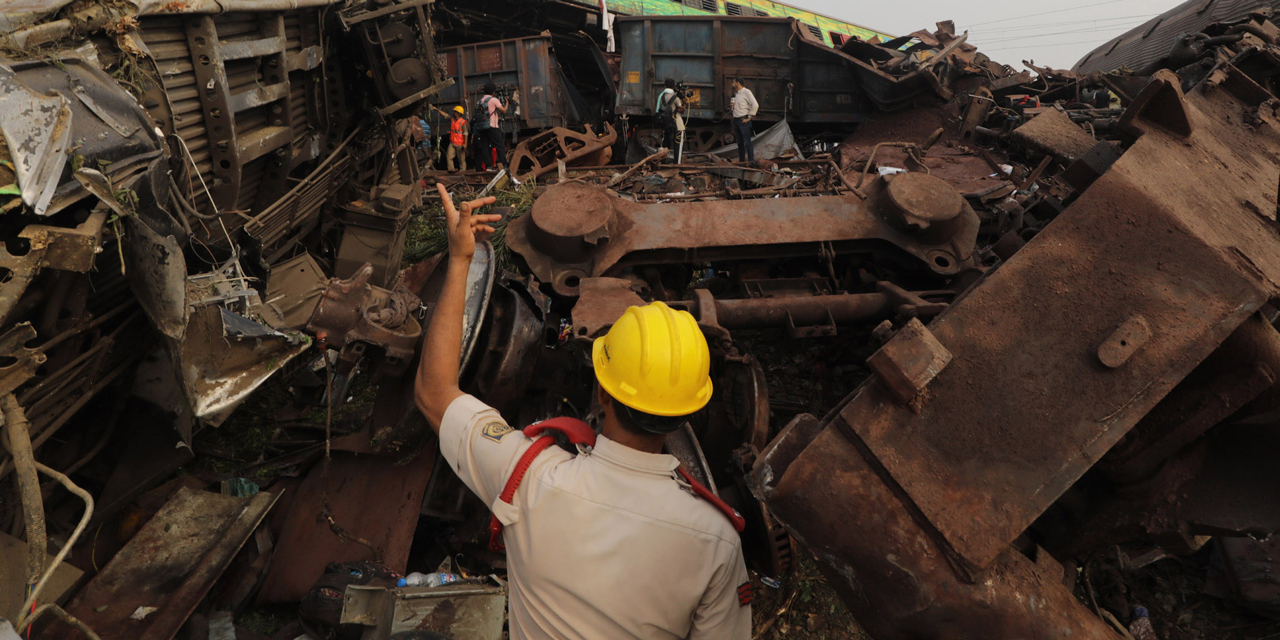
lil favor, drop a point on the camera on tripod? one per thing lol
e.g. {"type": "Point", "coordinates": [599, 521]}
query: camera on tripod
{"type": "Point", "coordinates": [684, 91]}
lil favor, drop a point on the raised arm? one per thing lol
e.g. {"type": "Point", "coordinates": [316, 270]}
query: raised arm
{"type": "Point", "coordinates": [436, 385]}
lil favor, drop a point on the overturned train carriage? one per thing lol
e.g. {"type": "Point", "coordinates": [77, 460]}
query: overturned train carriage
{"type": "Point", "coordinates": [164, 165]}
{"type": "Point", "coordinates": [1110, 382]}
{"type": "Point", "coordinates": [1064, 358]}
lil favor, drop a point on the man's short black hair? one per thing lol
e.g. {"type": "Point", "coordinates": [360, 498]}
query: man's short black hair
{"type": "Point", "coordinates": [637, 421]}
{"type": "Point", "coordinates": [489, 88]}
{"type": "Point", "coordinates": [669, 83]}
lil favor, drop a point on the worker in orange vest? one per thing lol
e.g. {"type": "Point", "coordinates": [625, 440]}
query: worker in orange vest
{"type": "Point", "coordinates": [459, 133]}
{"type": "Point", "coordinates": [617, 541]}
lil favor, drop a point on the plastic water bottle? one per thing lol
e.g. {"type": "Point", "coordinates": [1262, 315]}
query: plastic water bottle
{"type": "Point", "coordinates": [1140, 626]}
{"type": "Point", "coordinates": [416, 579]}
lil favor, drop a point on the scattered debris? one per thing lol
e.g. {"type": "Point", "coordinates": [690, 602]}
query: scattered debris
{"type": "Point", "coordinates": [1034, 309]}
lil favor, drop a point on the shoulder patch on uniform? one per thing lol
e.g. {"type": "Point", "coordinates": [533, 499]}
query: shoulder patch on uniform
{"type": "Point", "coordinates": [744, 594]}
{"type": "Point", "coordinates": [495, 429]}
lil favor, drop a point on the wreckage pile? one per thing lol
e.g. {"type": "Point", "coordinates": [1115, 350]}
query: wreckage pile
{"type": "Point", "coordinates": [219, 259]}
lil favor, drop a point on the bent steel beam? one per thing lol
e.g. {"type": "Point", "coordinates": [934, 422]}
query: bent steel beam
{"type": "Point", "coordinates": [577, 231]}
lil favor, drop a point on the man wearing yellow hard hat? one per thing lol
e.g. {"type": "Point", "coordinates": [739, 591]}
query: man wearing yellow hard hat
{"type": "Point", "coordinates": [459, 132]}
{"type": "Point", "coordinates": [616, 542]}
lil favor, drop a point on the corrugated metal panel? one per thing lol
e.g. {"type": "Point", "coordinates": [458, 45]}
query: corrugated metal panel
{"type": "Point", "coordinates": [1152, 40]}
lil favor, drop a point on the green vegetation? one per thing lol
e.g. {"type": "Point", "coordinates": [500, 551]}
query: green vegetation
{"type": "Point", "coordinates": [426, 236]}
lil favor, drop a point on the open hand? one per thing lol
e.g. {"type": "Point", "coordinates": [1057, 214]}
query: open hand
{"type": "Point", "coordinates": [463, 226]}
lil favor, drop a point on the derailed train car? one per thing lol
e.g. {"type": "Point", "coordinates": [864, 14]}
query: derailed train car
{"type": "Point", "coordinates": [1066, 337]}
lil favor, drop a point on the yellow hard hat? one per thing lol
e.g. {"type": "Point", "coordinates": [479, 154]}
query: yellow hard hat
{"type": "Point", "coordinates": [459, 109]}
{"type": "Point", "coordinates": [655, 359]}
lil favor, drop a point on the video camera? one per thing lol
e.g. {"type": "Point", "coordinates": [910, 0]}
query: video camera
{"type": "Point", "coordinates": [684, 91]}
{"type": "Point", "coordinates": [504, 91]}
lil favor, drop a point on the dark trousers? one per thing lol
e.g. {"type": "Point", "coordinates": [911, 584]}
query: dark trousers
{"type": "Point", "coordinates": [498, 143]}
{"type": "Point", "coordinates": [742, 135]}
{"type": "Point", "coordinates": [669, 137]}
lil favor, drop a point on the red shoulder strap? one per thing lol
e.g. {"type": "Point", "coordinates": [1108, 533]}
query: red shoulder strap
{"type": "Point", "coordinates": [580, 432]}
{"type": "Point", "coordinates": [577, 431]}
{"type": "Point", "coordinates": [729, 512]}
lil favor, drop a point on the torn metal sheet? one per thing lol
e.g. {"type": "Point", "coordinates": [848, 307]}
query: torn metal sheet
{"type": "Point", "coordinates": [158, 273]}
{"type": "Point", "coordinates": [69, 249]}
{"type": "Point", "coordinates": [152, 585]}
{"type": "Point", "coordinates": [220, 368]}
{"type": "Point", "coordinates": [37, 130]}
{"type": "Point", "coordinates": [104, 129]}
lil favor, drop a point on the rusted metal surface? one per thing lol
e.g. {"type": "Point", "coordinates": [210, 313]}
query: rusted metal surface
{"type": "Point", "coordinates": [563, 239]}
{"type": "Point", "coordinates": [375, 232]}
{"type": "Point", "coordinates": [909, 361]}
{"type": "Point", "coordinates": [353, 314]}
{"type": "Point", "coordinates": [25, 360]}
{"type": "Point", "coordinates": [1054, 133]}
{"type": "Point", "coordinates": [968, 466]}
{"type": "Point", "coordinates": [890, 569]}
{"type": "Point", "coordinates": [156, 581]}
{"type": "Point", "coordinates": [72, 249]}
{"type": "Point", "coordinates": [941, 473]}
{"type": "Point", "coordinates": [603, 300]}
{"type": "Point", "coordinates": [706, 52]}
{"type": "Point", "coordinates": [369, 498]}
{"type": "Point", "coordinates": [526, 70]}
{"type": "Point", "coordinates": [544, 152]}
{"type": "Point", "coordinates": [1240, 370]}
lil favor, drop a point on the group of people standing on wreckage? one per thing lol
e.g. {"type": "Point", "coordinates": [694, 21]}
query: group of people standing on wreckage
{"type": "Point", "coordinates": [479, 136]}
{"type": "Point", "coordinates": [482, 135]}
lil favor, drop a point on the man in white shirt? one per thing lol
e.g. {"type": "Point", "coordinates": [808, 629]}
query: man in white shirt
{"type": "Point", "coordinates": [744, 109]}
{"type": "Point", "coordinates": [611, 543]}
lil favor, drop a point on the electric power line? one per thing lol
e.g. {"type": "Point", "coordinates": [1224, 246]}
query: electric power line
{"type": "Point", "coordinates": [1055, 33]}
{"type": "Point", "coordinates": [1094, 43]}
{"type": "Point", "coordinates": [1059, 24]}
{"type": "Point", "coordinates": [1045, 13]}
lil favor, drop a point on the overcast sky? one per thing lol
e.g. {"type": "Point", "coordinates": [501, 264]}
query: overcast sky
{"type": "Point", "coordinates": [1054, 34]}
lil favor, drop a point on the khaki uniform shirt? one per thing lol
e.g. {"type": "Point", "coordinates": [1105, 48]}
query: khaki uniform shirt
{"type": "Point", "coordinates": [601, 545]}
